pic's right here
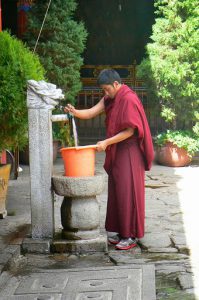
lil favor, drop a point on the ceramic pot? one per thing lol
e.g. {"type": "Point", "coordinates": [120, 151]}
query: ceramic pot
{"type": "Point", "coordinates": [4, 178]}
{"type": "Point", "coordinates": [172, 156]}
{"type": "Point", "coordinates": [55, 149]}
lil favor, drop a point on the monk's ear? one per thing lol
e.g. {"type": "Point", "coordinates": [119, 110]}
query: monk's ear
{"type": "Point", "coordinates": [115, 84]}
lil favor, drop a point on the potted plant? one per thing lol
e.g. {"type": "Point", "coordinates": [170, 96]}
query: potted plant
{"type": "Point", "coordinates": [17, 65]}
{"type": "Point", "coordinates": [176, 148]}
{"type": "Point", "coordinates": [61, 137]}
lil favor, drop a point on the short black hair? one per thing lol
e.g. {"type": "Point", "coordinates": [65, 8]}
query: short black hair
{"type": "Point", "coordinates": [108, 76]}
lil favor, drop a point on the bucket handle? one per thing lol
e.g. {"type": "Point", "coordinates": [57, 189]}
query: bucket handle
{"type": "Point", "coordinates": [84, 147]}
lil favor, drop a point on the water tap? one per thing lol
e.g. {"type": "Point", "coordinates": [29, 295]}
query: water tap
{"type": "Point", "coordinates": [70, 115]}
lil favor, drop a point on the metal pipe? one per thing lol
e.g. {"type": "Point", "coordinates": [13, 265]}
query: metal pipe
{"type": "Point", "coordinates": [59, 118]}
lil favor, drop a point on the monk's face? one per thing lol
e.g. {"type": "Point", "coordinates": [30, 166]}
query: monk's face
{"type": "Point", "coordinates": [111, 90]}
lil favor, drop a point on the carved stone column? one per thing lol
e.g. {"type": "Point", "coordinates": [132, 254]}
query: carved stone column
{"type": "Point", "coordinates": [41, 98]}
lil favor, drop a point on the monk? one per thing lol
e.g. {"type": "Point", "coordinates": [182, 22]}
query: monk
{"type": "Point", "coordinates": [129, 152]}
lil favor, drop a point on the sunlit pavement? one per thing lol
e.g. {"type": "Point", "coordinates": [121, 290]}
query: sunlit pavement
{"type": "Point", "coordinates": [188, 193]}
{"type": "Point", "coordinates": [172, 209]}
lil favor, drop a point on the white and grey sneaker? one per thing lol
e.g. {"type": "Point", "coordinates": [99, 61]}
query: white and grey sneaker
{"type": "Point", "coordinates": [126, 244]}
{"type": "Point", "coordinates": [114, 239]}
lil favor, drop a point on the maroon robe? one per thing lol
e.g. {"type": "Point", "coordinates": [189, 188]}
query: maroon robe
{"type": "Point", "coordinates": [126, 163]}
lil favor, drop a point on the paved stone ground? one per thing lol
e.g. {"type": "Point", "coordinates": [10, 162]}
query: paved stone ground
{"type": "Point", "coordinates": [81, 284]}
{"type": "Point", "coordinates": [171, 242]}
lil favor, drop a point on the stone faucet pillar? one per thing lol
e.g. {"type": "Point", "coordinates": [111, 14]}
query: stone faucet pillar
{"type": "Point", "coordinates": [41, 98]}
{"type": "Point", "coordinates": [80, 213]}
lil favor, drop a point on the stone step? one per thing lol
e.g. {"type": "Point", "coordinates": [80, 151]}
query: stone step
{"type": "Point", "coordinates": [107, 283]}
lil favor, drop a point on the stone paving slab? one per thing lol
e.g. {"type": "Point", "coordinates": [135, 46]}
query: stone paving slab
{"type": "Point", "coordinates": [162, 250]}
{"type": "Point", "coordinates": [38, 297]}
{"type": "Point", "coordinates": [180, 242]}
{"type": "Point", "coordinates": [8, 255]}
{"type": "Point", "coordinates": [113, 283]}
{"type": "Point", "coordinates": [159, 240]}
{"type": "Point", "coordinates": [186, 281]}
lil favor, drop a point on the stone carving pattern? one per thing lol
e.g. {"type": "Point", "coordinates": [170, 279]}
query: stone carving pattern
{"type": "Point", "coordinates": [83, 285]}
{"type": "Point", "coordinates": [42, 94]}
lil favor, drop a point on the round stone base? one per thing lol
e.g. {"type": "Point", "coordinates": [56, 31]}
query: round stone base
{"type": "Point", "coordinates": [80, 212]}
{"type": "Point", "coordinates": [81, 246]}
{"type": "Point", "coordinates": [80, 217]}
{"type": "Point", "coordinates": [80, 235]}
{"type": "Point", "coordinates": [78, 186]}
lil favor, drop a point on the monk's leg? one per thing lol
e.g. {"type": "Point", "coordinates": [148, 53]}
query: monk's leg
{"type": "Point", "coordinates": [111, 223]}
{"type": "Point", "coordinates": [128, 177]}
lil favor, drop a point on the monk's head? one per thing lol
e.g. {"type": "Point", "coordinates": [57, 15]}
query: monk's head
{"type": "Point", "coordinates": [109, 80]}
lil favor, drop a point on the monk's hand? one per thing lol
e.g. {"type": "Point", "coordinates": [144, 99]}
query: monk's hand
{"type": "Point", "coordinates": [101, 146]}
{"type": "Point", "coordinates": [69, 109]}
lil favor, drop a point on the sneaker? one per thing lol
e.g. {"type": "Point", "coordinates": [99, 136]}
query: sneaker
{"type": "Point", "coordinates": [126, 244]}
{"type": "Point", "coordinates": [114, 239]}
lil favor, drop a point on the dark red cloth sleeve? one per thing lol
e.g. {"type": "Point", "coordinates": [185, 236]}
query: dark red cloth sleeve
{"type": "Point", "coordinates": [131, 114]}
{"type": "Point", "coordinates": [126, 111]}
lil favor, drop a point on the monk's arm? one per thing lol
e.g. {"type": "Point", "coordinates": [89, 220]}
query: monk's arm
{"type": "Point", "coordinates": [121, 136]}
{"type": "Point", "coordinates": [86, 113]}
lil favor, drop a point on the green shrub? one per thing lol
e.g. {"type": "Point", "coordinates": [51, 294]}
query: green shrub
{"type": "Point", "coordinates": [171, 68]}
{"type": "Point", "coordinates": [17, 65]}
{"type": "Point", "coordinates": [62, 133]}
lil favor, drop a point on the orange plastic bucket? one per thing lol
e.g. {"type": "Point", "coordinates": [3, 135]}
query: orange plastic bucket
{"type": "Point", "coordinates": [79, 161]}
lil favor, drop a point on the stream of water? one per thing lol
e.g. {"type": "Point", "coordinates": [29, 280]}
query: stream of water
{"type": "Point", "coordinates": [75, 132]}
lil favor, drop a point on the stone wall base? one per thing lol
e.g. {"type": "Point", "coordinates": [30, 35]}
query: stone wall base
{"type": "Point", "coordinates": [47, 246]}
{"type": "Point", "coordinates": [41, 246]}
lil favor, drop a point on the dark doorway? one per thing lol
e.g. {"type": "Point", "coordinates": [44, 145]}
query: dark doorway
{"type": "Point", "coordinates": [9, 15]}
{"type": "Point", "coordinates": [118, 30]}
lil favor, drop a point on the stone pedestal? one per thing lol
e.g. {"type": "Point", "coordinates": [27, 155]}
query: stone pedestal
{"type": "Point", "coordinates": [40, 147]}
{"type": "Point", "coordinates": [41, 98]}
{"type": "Point", "coordinates": [80, 213]}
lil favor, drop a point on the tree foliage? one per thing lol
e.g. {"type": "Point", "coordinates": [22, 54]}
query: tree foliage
{"type": "Point", "coordinates": [171, 68]}
{"type": "Point", "coordinates": [61, 43]}
{"type": "Point", "coordinates": [17, 65]}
